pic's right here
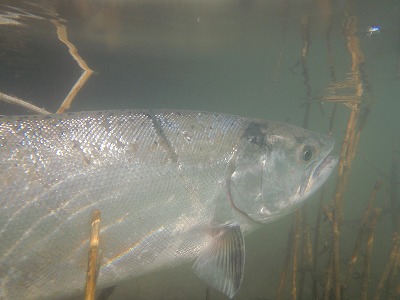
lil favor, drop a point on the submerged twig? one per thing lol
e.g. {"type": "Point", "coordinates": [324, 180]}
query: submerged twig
{"type": "Point", "coordinates": [285, 269]}
{"type": "Point", "coordinates": [329, 42]}
{"type": "Point", "coordinates": [328, 279]}
{"type": "Point", "coordinates": [394, 283]}
{"type": "Point", "coordinates": [394, 256]}
{"type": "Point", "coordinates": [284, 34]}
{"type": "Point", "coordinates": [394, 253]}
{"type": "Point", "coordinates": [348, 148]}
{"type": "Point", "coordinates": [305, 34]}
{"type": "Point", "coordinates": [62, 36]}
{"type": "Point", "coordinates": [91, 275]}
{"type": "Point", "coordinates": [343, 173]}
{"type": "Point", "coordinates": [306, 254]}
{"type": "Point", "coordinates": [368, 254]}
{"type": "Point", "coordinates": [296, 242]}
{"type": "Point", "coordinates": [22, 103]}
{"type": "Point", "coordinates": [316, 243]}
{"type": "Point", "coordinates": [363, 228]}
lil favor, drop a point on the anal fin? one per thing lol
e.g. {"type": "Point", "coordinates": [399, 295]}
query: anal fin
{"type": "Point", "coordinates": [221, 263]}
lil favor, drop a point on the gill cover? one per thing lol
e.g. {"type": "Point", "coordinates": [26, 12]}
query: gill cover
{"type": "Point", "coordinates": [273, 171]}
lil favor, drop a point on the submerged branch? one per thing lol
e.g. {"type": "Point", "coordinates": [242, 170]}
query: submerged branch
{"type": "Point", "coordinates": [62, 36]}
{"type": "Point", "coordinates": [93, 267]}
{"type": "Point", "coordinates": [22, 103]}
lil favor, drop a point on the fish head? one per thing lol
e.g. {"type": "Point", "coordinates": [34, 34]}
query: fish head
{"type": "Point", "coordinates": [276, 168]}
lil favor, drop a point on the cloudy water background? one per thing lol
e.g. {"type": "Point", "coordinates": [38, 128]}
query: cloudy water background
{"type": "Point", "coordinates": [266, 59]}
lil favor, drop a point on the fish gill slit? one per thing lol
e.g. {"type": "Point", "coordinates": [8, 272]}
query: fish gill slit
{"type": "Point", "coordinates": [230, 171]}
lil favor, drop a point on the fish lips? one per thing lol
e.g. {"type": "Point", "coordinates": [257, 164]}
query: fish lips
{"type": "Point", "coordinates": [316, 175]}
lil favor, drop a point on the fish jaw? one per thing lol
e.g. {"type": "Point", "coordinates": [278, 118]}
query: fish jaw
{"type": "Point", "coordinates": [318, 175]}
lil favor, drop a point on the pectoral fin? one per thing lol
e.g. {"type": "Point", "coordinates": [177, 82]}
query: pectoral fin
{"type": "Point", "coordinates": [221, 264]}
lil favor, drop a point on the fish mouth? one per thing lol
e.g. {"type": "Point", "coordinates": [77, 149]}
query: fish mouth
{"type": "Point", "coordinates": [316, 174]}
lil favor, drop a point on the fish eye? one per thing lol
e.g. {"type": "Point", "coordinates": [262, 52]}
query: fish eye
{"type": "Point", "coordinates": [307, 153]}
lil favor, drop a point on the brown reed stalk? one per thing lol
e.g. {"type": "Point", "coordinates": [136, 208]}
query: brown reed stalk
{"type": "Point", "coordinates": [394, 254]}
{"type": "Point", "coordinates": [363, 228]}
{"type": "Point", "coordinates": [394, 284]}
{"type": "Point", "coordinates": [296, 242]}
{"type": "Point", "coordinates": [332, 119]}
{"type": "Point", "coordinates": [309, 251]}
{"type": "Point", "coordinates": [296, 231]}
{"type": "Point", "coordinates": [331, 61]}
{"type": "Point", "coordinates": [285, 18]}
{"type": "Point", "coordinates": [367, 109]}
{"type": "Point", "coordinates": [368, 254]}
{"type": "Point", "coordinates": [317, 231]}
{"type": "Point", "coordinates": [22, 103]}
{"type": "Point", "coordinates": [348, 148]}
{"type": "Point", "coordinates": [305, 35]}
{"type": "Point", "coordinates": [326, 295]}
{"type": "Point", "coordinates": [285, 269]}
{"type": "Point", "coordinates": [308, 245]}
{"type": "Point", "coordinates": [343, 172]}
{"type": "Point", "coordinates": [306, 254]}
{"type": "Point", "coordinates": [87, 72]}
{"type": "Point", "coordinates": [302, 279]}
{"type": "Point", "coordinates": [316, 244]}
{"type": "Point", "coordinates": [91, 275]}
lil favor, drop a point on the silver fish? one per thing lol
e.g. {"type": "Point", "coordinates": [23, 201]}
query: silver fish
{"type": "Point", "coordinates": [172, 187]}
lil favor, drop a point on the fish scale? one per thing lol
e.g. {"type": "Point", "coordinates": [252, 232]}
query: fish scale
{"type": "Point", "coordinates": [164, 181]}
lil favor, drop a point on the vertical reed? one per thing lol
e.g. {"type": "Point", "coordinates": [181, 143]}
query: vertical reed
{"type": "Point", "coordinates": [316, 245]}
{"type": "Point", "coordinates": [348, 148]}
{"type": "Point", "coordinates": [392, 264]}
{"type": "Point", "coordinates": [91, 275]}
{"type": "Point", "coordinates": [368, 254]}
{"type": "Point", "coordinates": [296, 242]}
{"type": "Point", "coordinates": [363, 228]}
{"type": "Point", "coordinates": [394, 252]}
{"type": "Point", "coordinates": [286, 266]}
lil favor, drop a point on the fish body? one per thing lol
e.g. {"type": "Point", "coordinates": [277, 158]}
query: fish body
{"type": "Point", "coordinates": [172, 187]}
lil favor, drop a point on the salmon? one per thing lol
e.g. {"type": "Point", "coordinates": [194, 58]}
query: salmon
{"type": "Point", "coordinates": [172, 187]}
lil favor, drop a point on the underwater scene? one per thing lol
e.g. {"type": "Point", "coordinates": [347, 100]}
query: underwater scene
{"type": "Point", "coordinates": [153, 70]}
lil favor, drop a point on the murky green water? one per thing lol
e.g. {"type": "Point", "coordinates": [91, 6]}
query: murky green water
{"type": "Point", "coordinates": [241, 57]}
